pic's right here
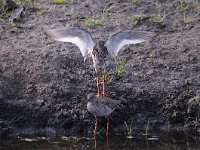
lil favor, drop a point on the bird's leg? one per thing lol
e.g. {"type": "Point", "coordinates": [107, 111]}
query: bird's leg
{"type": "Point", "coordinates": [108, 123]}
{"type": "Point", "coordinates": [96, 124]}
{"type": "Point", "coordinates": [98, 84]}
{"type": "Point", "coordinates": [104, 78]}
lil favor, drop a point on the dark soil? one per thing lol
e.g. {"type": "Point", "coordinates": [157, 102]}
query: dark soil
{"type": "Point", "coordinates": [43, 83]}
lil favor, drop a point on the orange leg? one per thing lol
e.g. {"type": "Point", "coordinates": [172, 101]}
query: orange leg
{"type": "Point", "coordinates": [98, 84]}
{"type": "Point", "coordinates": [96, 125]}
{"type": "Point", "coordinates": [108, 123]}
{"type": "Point", "coordinates": [104, 78]}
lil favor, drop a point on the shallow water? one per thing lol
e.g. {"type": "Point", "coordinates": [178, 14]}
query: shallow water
{"type": "Point", "coordinates": [160, 141]}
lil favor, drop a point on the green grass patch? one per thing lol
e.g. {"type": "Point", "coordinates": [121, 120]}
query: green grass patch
{"type": "Point", "coordinates": [136, 19]}
{"type": "Point", "coordinates": [110, 78]}
{"type": "Point", "coordinates": [196, 4]}
{"type": "Point", "coordinates": [94, 22]}
{"type": "Point", "coordinates": [23, 2]}
{"type": "Point", "coordinates": [129, 130]}
{"type": "Point", "coordinates": [134, 1]}
{"type": "Point", "coordinates": [120, 68]}
{"type": "Point", "coordinates": [182, 6]}
{"type": "Point", "coordinates": [158, 19]}
{"type": "Point", "coordinates": [59, 2]}
{"type": "Point", "coordinates": [191, 19]}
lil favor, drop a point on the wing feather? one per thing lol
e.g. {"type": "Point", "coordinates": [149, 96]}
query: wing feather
{"type": "Point", "coordinates": [120, 39]}
{"type": "Point", "coordinates": [77, 36]}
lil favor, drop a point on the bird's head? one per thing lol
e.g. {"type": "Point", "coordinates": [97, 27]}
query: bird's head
{"type": "Point", "coordinates": [90, 96]}
{"type": "Point", "coordinates": [100, 45]}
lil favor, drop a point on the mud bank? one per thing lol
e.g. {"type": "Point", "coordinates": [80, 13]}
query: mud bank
{"type": "Point", "coordinates": [43, 83]}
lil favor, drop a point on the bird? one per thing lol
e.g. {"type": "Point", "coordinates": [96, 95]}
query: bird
{"type": "Point", "coordinates": [101, 51]}
{"type": "Point", "coordinates": [101, 106]}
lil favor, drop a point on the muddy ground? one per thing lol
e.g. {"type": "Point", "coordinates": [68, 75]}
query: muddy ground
{"type": "Point", "coordinates": [43, 83]}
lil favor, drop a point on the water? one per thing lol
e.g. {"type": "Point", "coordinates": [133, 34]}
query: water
{"type": "Point", "coordinates": [161, 141]}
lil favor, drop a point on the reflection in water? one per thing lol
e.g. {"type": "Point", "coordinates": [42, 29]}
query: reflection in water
{"type": "Point", "coordinates": [170, 141]}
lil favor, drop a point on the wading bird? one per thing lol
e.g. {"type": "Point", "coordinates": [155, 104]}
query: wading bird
{"type": "Point", "coordinates": [102, 51]}
{"type": "Point", "coordinates": [101, 106]}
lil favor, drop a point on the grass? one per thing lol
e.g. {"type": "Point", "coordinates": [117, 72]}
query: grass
{"type": "Point", "coordinates": [42, 10]}
{"type": "Point", "coordinates": [110, 78]}
{"type": "Point", "coordinates": [129, 130]}
{"type": "Point", "coordinates": [196, 3]}
{"type": "Point", "coordinates": [140, 74]}
{"type": "Point", "coordinates": [1, 5]}
{"type": "Point", "coordinates": [152, 54]}
{"type": "Point", "coordinates": [94, 22]}
{"type": "Point", "coordinates": [190, 19]}
{"type": "Point", "coordinates": [136, 19]}
{"type": "Point", "coordinates": [107, 8]}
{"type": "Point", "coordinates": [23, 2]}
{"type": "Point", "coordinates": [182, 6]}
{"type": "Point", "coordinates": [134, 1]}
{"type": "Point", "coordinates": [59, 2]}
{"type": "Point", "coordinates": [158, 19]}
{"type": "Point", "coordinates": [120, 68]}
{"type": "Point", "coordinates": [100, 20]}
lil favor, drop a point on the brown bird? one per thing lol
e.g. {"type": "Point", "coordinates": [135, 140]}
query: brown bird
{"type": "Point", "coordinates": [101, 106]}
{"type": "Point", "coordinates": [102, 51]}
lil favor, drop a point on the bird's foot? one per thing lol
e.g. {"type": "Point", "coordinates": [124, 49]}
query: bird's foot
{"type": "Point", "coordinates": [98, 94]}
{"type": "Point", "coordinates": [104, 93]}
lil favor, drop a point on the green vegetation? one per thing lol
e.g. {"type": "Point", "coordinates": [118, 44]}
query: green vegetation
{"type": "Point", "coordinates": [152, 54]}
{"type": "Point", "coordinates": [107, 8]}
{"type": "Point", "coordinates": [120, 67]}
{"type": "Point", "coordinates": [59, 2]}
{"type": "Point", "coordinates": [43, 10]}
{"type": "Point", "coordinates": [134, 1]}
{"type": "Point", "coordinates": [100, 20]}
{"type": "Point", "coordinates": [196, 3]}
{"type": "Point", "coordinates": [158, 19]}
{"type": "Point", "coordinates": [110, 78]}
{"type": "Point", "coordinates": [1, 5]}
{"type": "Point", "coordinates": [94, 22]}
{"type": "Point", "coordinates": [136, 19]}
{"type": "Point", "coordinates": [129, 130]}
{"type": "Point", "coordinates": [140, 74]}
{"type": "Point", "coordinates": [190, 19]}
{"type": "Point", "coordinates": [182, 6]}
{"type": "Point", "coordinates": [24, 2]}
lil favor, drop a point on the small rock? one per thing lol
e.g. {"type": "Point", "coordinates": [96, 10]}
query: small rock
{"type": "Point", "coordinates": [151, 71]}
{"type": "Point", "coordinates": [40, 101]}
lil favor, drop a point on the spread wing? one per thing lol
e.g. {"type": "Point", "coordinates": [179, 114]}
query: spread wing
{"type": "Point", "coordinates": [120, 39]}
{"type": "Point", "coordinates": [77, 36]}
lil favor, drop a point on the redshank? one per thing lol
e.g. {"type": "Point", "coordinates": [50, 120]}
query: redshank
{"type": "Point", "coordinates": [102, 51]}
{"type": "Point", "coordinates": [101, 106]}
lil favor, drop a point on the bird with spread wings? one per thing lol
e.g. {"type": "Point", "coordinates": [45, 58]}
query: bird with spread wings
{"type": "Point", "coordinates": [101, 51]}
